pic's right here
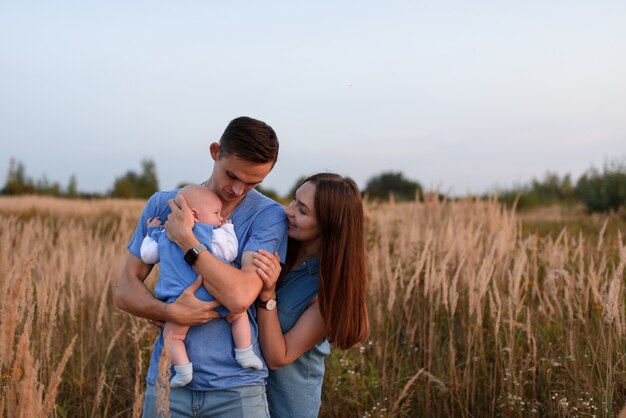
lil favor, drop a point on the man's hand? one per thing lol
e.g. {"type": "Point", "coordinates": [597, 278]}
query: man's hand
{"type": "Point", "coordinates": [180, 223]}
{"type": "Point", "coordinates": [189, 310]}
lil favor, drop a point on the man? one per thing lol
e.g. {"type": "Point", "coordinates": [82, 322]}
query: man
{"type": "Point", "coordinates": [244, 156]}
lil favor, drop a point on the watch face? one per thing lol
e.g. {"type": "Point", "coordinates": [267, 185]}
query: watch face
{"type": "Point", "coordinates": [191, 256]}
{"type": "Point", "coordinates": [270, 304]}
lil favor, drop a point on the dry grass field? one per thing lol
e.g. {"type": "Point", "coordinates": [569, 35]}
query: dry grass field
{"type": "Point", "coordinates": [473, 313]}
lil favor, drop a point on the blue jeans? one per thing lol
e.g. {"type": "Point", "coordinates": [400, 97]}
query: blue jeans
{"type": "Point", "coordinates": [239, 402]}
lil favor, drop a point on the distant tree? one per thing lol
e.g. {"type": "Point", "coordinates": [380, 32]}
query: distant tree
{"type": "Point", "coordinates": [72, 186]}
{"type": "Point", "coordinates": [603, 191]}
{"type": "Point", "coordinates": [133, 185]}
{"type": "Point", "coordinates": [17, 182]}
{"type": "Point", "coordinates": [380, 187]}
{"type": "Point", "coordinates": [552, 189]}
{"type": "Point", "coordinates": [44, 187]}
{"type": "Point", "coordinates": [124, 187]}
{"type": "Point", "coordinates": [148, 182]}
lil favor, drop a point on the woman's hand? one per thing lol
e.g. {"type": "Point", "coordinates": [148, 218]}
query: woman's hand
{"type": "Point", "coordinates": [180, 223]}
{"type": "Point", "coordinates": [268, 269]}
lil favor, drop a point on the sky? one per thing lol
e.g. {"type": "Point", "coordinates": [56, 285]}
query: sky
{"type": "Point", "coordinates": [461, 96]}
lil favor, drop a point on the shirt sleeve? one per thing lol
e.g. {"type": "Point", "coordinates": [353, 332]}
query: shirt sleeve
{"type": "Point", "coordinates": [156, 206]}
{"type": "Point", "coordinates": [224, 243]}
{"type": "Point", "coordinates": [269, 232]}
{"type": "Point", "coordinates": [149, 250]}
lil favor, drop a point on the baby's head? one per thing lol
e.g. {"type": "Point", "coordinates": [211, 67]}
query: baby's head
{"type": "Point", "coordinates": [204, 204]}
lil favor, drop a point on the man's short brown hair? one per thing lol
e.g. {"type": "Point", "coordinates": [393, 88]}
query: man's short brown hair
{"type": "Point", "coordinates": [250, 140]}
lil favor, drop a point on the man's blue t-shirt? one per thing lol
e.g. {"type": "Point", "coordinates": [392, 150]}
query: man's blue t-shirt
{"type": "Point", "coordinates": [259, 223]}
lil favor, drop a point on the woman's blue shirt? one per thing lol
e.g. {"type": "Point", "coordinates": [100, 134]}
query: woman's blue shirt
{"type": "Point", "coordinates": [295, 390]}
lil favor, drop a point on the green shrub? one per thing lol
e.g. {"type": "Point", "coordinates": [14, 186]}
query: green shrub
{"type": "Point", "coordinates": [603, 191]}
{"type": "Point", "coordinates": [380, 187]}
{"type": "Point", "coordinates": [551, 190]}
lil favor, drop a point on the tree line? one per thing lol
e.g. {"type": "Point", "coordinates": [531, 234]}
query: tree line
{"type": "Point", "coordinates": [130, 185]}
{"type": "Point", "coordinates": [143, 184]}
{"type": "Point", "coordinates": [600, 190]}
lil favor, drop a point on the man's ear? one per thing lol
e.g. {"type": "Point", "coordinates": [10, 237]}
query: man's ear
{"type": "Point", "coordinates": [214, 148]}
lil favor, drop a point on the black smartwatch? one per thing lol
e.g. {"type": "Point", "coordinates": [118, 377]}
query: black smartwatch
{"type": "Point", "coordinates": [192, 255]}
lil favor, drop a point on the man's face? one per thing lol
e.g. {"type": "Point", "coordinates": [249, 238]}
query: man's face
{"type": "Point", "coordinates": [233, 177]}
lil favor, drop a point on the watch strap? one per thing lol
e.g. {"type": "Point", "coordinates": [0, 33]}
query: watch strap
{"type": "Point", "coordinates": [192, 255]}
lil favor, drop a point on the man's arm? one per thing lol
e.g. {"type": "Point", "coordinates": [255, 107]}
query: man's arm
{"type": "Point", "coordinates": [134, 297]}
{"type": "Point", "coordinates": [235, 289]}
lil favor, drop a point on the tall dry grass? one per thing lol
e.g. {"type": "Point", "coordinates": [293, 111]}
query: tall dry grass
{"type": "Point", "coordinates": [65, 349]}
{"type": "Point", "coordinates": [470, 316]}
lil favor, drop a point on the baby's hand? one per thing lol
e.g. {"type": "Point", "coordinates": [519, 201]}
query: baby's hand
{"type": "Point", "coordinates": [153, 221]}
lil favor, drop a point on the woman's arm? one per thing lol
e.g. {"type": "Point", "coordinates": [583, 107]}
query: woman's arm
{"type": "Point", "coordinates": [282, 349]}
{"type": "Point", "coordinates": [235, 289]}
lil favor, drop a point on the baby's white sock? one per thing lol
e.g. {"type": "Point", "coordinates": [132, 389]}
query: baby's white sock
{"type": "Point", "coordinates": [246, 358]}
{"type": "Point", "coordinates": [184, 374]}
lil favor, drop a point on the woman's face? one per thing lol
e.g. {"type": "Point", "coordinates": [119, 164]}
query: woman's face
{"type": "Point", "coordinates": [301, 215]}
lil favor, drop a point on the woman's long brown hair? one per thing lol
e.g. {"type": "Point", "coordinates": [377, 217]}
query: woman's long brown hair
{"type": "Point", "coordinates": [342, 272]}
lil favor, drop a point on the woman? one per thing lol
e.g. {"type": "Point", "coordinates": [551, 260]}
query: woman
{"type": "Point", "coordinates": [319, 296]}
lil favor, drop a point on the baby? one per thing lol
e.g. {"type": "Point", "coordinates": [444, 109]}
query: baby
{"type": "Point", "coordinates": [176, 275]}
